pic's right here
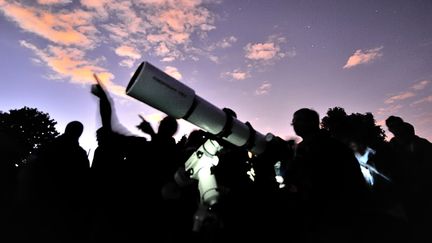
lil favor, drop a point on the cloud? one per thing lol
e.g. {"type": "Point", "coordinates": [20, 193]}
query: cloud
{"type": "Point", "coordinates": [127, 63]}
{"type": "Point", "coordinates": [173, 72]}
{"type": "Point", "coordinates": [162, 28]}
{"type": "Point", "coordinates": [96, 4]}
{"type": "Point", "coordinates": [57, 28]}
{"type": "Point", "coordinates": [131, 23]}
{"type": "Point", "coordinates": [162, 49]}
{"type": "Point", "coordinates": [401, 96]}
{"type": "Point", "coordinates": [226, 42]}
{"type": "Point", "coordinates": [171, 3]}
{"type": "Point", "coordinates": [176, 22]}
{"type": "Point", "coordinates": [427, 99]}
{"type": "Point", "coordinates": [99, 6]}
{"type": "Point", "coordinates": [214, 59]}
{"type": "Point", "coordinates": [70, 63]}
{"type": "Point", "coordinates": [237, 74]}
{"type": "Point", "coordinates": [52, 2]}
{"type": "Point", "coordinates": [207, 27]}
{"type": "Point", "coordinates": [264, 88]}
{"type": "Point", "coordinates": [261, 51]}
{"type": "Point", "coordinates": [392, 109]}
{"type": "Point", "coordinates": [168, 59]}
{"type": "Point", "coordinates": [363, 57]}
{"type": "Point", "coordinates": [420, 85]}
{"type": "Point", "coordinates": [269, 50]}
{"type": "Point", "coordinates": [128, 51]}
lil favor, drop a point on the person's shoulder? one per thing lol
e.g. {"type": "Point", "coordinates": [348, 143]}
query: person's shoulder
{"type": "Point", "coordinates": [422, 140]}
{"type": "Point", "coordinates": [82, 151]}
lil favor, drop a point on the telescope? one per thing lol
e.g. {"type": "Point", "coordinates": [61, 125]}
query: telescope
{"type": "Point", "coordinates": [161, 91]}
{"type": "Point", "coordinates": [164, 93]}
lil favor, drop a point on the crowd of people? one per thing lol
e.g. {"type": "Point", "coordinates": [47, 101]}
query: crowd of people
{"type": "Point", "coordinates": [336, 185]}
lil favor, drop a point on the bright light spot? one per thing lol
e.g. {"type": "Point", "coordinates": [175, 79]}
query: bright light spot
{"type": "Point", "coordinates": [251, 174]}
{"type": "Point", "coordinates": [279, 179]}
{"type": "Point", "coordinates": [363, 159]}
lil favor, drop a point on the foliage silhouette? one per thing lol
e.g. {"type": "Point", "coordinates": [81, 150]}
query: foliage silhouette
{"type": "Point", "coordinates": [29, 128]}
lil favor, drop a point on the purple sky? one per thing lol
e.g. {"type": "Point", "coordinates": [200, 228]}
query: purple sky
{"type": "Point", "coordinates": [263, 59]}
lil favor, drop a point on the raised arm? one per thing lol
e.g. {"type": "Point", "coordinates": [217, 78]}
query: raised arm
{"type": "Point", "coordinates": [146, 127]}
{"type": "Point", "coordinates": [104, 103]}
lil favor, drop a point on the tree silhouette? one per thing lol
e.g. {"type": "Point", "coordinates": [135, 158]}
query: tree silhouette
{"type": "Point", "coordinates": [26, 130]}
{"type": "Point", "coordinates": [354, 127]}
{"type": "Point", "coordinates": [335, 122]}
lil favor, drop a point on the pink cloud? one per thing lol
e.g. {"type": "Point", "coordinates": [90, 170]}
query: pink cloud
{"type": "Point", "coordinates": [168, 59]}
{"type": "Point", "coordinates": [96, 4]}
{"type": "Point", "coordinates": [128, 51]}
{"type": "Point", "coordinates": [127, 63]}
{"type": "Point", "coordinates": [54, 27]}
{"type": "Point", "coordinates": [392, 109]}
{"type": "Point", "coordinates": [179, 20]}
{"type": "Point", "coordinates": [159, 21]}
{"type": "Point", "coordinates": [420, 85]}
{"type": "Point", "coordinates": [173, 22]}
{"type": "Point", "coordinates": [155, 38]}
{"type": "Point", "coordinates": [117, 30]}
{"type": "Point", "coordinates": [160, 27]}
{"type": "Point", "coordinates": [52, 2]}
{"type": "Point", "coordinates": [70, 63]}
{"type": "Point", "coordinates": [261, 51]}
{"type": "Point", "coordinates": [268, 51]}
{"type": "Point", "coordinates": [264, 88]}
{"type": "Point", "coordinates": [100, 6]}
{"type": "Point", "coordinates": [398, 97]}
{"type": "Point", "coordinates": [237, 74]}
{"type": "Point", "coordinates": [427, 99]}
{"type": "Point", "coordinates": [173, 72]}
{"type": "Point", "coordinates": [162, 49]}
{"type": "Point", "coordinates": [362, 57]}
{"type": "Point", "coordinates": [172, 3]}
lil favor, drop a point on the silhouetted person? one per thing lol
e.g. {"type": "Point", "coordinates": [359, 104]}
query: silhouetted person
{"type": "Point", "coordinates": [140, 176]}
{"type": "Point", "coordinates": [123, 199]}
{"type": "Point", "coordinates": [165, 157]}
{"type": "Point", "coordinates": [58, 198]}
{"type": "Point", "coordinates": [328, 177]}
{"type": "Point", "coordinates": [416, 153]}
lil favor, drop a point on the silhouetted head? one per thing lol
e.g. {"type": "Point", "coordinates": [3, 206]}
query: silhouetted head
{"type": "Point", "coordinates": [74, 130]}
{"type": "Point", "coordinates": [393, 124]}
{"type": "Point", "coordinates": [305, 122]}
{"type": "Point", "coordinates": [102, 135]}
{"type": "Point", "coordinates": [168, 126]}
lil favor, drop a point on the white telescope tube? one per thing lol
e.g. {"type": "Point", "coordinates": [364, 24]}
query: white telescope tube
{"type": "Point", "coordinates": [161, 91]}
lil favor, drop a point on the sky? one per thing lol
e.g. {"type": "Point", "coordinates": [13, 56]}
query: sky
{"type": "Point", "coordinates": [264, 59]}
